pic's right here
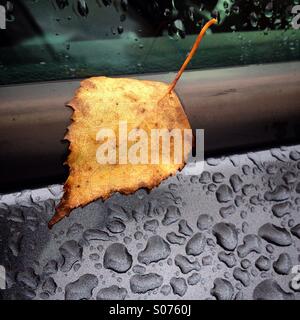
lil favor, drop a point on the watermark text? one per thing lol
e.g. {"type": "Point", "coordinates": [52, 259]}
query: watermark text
{"type": "Point", "coordinates": [155, 146]}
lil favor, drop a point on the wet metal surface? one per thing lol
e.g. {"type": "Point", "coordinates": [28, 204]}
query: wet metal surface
{"type": "Point", "coordinates": [231, 233]}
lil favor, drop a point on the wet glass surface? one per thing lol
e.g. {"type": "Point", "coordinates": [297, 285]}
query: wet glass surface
{"type": "Point", "coordinates": [63, 39]}
{"type": "Point", "coordinates": [232, 232]}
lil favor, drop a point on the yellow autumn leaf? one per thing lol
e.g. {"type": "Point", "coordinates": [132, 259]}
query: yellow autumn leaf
{"type": "Point", "coordinates": [103, 103]}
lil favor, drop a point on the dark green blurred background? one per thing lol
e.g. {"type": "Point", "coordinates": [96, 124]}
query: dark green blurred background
{"type": "Point", "coordinates": [64, 39]}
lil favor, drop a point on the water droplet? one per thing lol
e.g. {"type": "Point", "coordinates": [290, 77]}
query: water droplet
{"type": "Point", "coordinates": [62, 3]}
{"type": "Point", "coordinates": [44, 296]}
{"type": "Point", "coordinates": [82, 8]}
{"type": "Point", "coordinates": [184, 228]}
{"type": "Point", "coordinates": [196, 244]}
{"type": "Point", "coordinates": [251, 243]}
{"type": "Point", "coordinates": [270, 290]}
{"type": "Point", "coordinates": [172, 215]}
{"type": "Point", "coordinates": [138, 235]}
{"type": "Point", "coordinates": [291, 223]}
{"type": "Point", "coordinates": [145, 282]}
{"type": "Point", "coordinates": [228, 258]}
{"type": "Point", "coordinates": [115, 226]}
{"type": "Point", "coordinates": [207, 260]}
{"type": "Point", "coordinates": [253, 19]}
{"type": "Point", "coordinates": [165, 290]}
{"type": "Point", "coordinates": [296, 231]}
{"type": "Point", "coordinates": [124, 4]}
{"type": "Point", "coordinates": [224, 193]}
{"type": "Point", "coordinates": [179, 286]}
{"type": "Point", "coordinates": [245, 263]}
{"type": "Point", "coordinates": [226, 235]}
{"type": "Point", "coordinates": [186, 265]}
{"type": "Point", "coordinates": [117, 258]}
{"type": "Point", "coordinates": [245, 227]}
{"type": "Point", "coordinates": [194, 279]}
{"type": "Point", "coordinates": [218, 177]}
{"type": "Point", "coordinates": [281, 209]}
{"type": "Point", "coordinates": [174, 238]}
{"type": "Point", "coordinates": [236, 182]}
{"type": "Point", "coordinates": [247, 189]}
{"type": "Point", "coordinates": [82, 288]}
{"type": "Point", "coordinates": [49, 286]}
{"type": "Point", "coordinates": [271, 169]}
{"type": "Point", "coordinates": [112, 293]}
{"type": "Point", "coordinates": [28, 278]}
{"type": "Point", "coordinates": [205, 177]}
{"type": "Point", "coordinates": [295, 155]}
{"type": "Point", "coordinates": [283, 264]}
{"type": "Point", "coordinates": [225, 212]}
{"type": "Point", "coordinates": [156, 249]}
{"type": "Point", "coordinates": [139, 269]}
{"type": "Point", "coordinates": [151, 225]}
{"type": "Point", "coordinates": [222, 290]}
{"type": "Point", "coordinates": [275, 235]}
{"type": "Point", "coordinates": [71, 252]}
{"type": "Point", "coordinates": [289, 177]}
{"type": "Point", "coordinates": [120, 29]}
{"type": "Point", "coordinates": [94, 257]}
{"type": "Point", "coordinates": [204, 221]}
{"type": "Point", "coordinates": [241, 275]}
{"type": "Point", "coordinates": [263, 263]}
{"type": "Point", "coordinates": [50, 268]}
{"type": "Point", "coordinates": [236, 9]}
{"type": "Point", "coordinates": [280, 193]}
{"type": "Point", "coordinates": [269, 248]}
{"type": "Point", "coordinates": [269, 10]}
